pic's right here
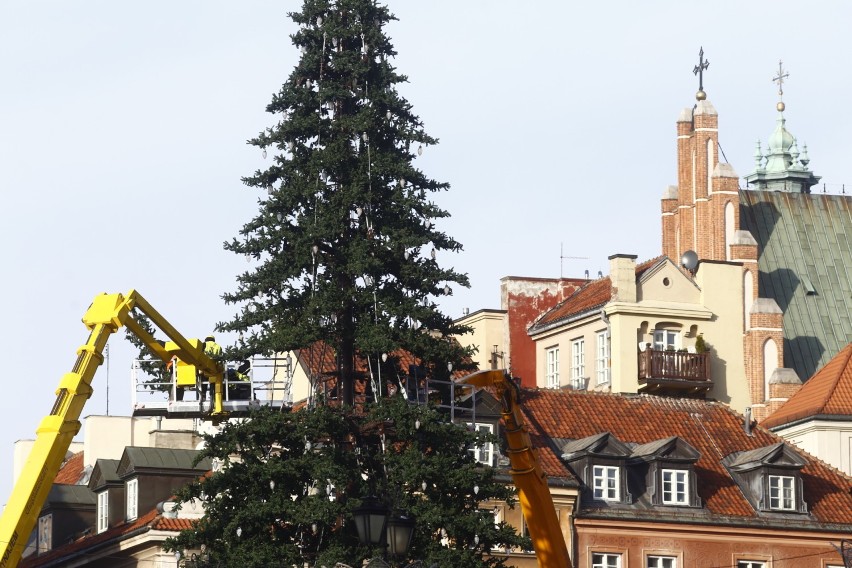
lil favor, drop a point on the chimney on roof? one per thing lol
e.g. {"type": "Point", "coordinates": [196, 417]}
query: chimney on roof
{"type": "Point", "coordinates": [747, 421]}
{"type": "Point", "coordinates": [622, 273]}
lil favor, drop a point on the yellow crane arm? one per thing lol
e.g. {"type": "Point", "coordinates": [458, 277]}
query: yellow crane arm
{"type": "Point", "coordinates": [104, 317]}
{"type": "Point", "coordinates": [530, 480]}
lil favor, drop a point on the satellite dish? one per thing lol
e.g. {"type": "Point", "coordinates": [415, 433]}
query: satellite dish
{"type": "Point", "coordinates": [689, 260]}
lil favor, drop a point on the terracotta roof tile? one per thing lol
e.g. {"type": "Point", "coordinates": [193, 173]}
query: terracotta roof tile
{"type": "Point", "coordinates": [71, 471]}
{"type": "Point", "coordinates": [712, 428]}
{"type": "Point", "coordinates": [828, 392]}
{"type": "Point", "coordinates": [151, 520]}
{"type": "Point", "coordinates": [593, 295]}
{"type": "Point", "coordinates": [166, 524]}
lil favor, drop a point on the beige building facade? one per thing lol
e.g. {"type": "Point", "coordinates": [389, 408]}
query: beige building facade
{"type": "Point", "coordinates": [640, 330]}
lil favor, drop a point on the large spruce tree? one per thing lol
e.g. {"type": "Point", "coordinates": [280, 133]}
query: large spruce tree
{"type": "Point", "coordinates": [286, 486]}
{"type": "Point", "coordinates": [344, 247]}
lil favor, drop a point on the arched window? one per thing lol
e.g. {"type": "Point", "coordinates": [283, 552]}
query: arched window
{"type": "Point", "coordinates": [770, 363]}
{"type": "Point", "coordinates": [748, 295]}
{"type": "Point", "coordinates": [730, 228]}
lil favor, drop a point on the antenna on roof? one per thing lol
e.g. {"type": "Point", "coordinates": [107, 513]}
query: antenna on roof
{"type": "Point", "coordinates": [563, 257]}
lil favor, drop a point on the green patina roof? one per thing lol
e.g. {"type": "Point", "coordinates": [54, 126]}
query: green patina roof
{"type": "Point", "coordinates": [805, 263]}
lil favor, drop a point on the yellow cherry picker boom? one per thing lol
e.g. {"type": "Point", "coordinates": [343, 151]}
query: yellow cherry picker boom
{"type": "Point", "coordinates": [107, 314]}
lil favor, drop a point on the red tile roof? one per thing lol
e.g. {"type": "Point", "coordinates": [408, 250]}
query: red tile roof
{"type": "Point", "coordinates": [151, 520]}
{"type": "Point", "coordinates": [71, 471]}
{"type": "Point", "coordinates": [90, 541]}
{"type": "Point", "coordinates": [828, 392]}
{"type": "Point", "coordinates": [593, 295]}
{"type": "Point", "coordinates": [712, 428]}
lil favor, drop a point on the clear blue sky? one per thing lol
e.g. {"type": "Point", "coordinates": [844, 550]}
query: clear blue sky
{"type": "Point", "coordinates": [123, 129]}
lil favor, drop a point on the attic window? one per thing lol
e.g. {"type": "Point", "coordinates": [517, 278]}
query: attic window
{"type": "Point", "coordinates": [675, 487]}
{"type": "Point", "coordinates": [103, 511]}
{"type": "Point", "coordinates": [606, 482]}
{"type": "Point", "coordinates": [45, 531]}
{"type": "Point", "coordinates": [132, 493]}
{"type": "Point", "coordinates": [782, 492]}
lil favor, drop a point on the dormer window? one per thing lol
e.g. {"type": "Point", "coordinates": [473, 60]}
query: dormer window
{"type": "Point", "coordinates": [675, 487]}
{"type": "Point", "coordinates": [132, 494]}
{"type": "Point", "coordinates": [782, 493]}
{"type": "Point", "coordinates": [668, 465]}
{"type": "Point", "coordinates": [103, 511]}
{"type": "Point", "coordinates": [606, 482]}
{"type": "Point", "coordinates": [600, 460]}
{"type": "Point", "coordinates": [770, 478]}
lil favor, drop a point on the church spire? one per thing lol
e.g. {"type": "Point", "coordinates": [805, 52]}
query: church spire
{"type": "Point", "coordinates": [783, 167]}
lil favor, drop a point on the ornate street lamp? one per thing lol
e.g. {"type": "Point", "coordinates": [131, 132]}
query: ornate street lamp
{"type": "Point", "coordinates": [400, 530]}
{"type": "Point", "coordinates": [370, 520]}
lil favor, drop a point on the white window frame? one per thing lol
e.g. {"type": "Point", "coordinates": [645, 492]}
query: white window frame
{"type": "Point", "coordinates": [666, 338]}
{"type": "Point", "coordinates": [675, 487]}
{"type": "Point", "coordinates": [660, 561]}
{"type": "Point", "coordinates": [782, 493]}
{"type": "Point", "coordinates": [45, 533]}
{"type": "Point", "coordinates": [606, 560]}
{"type": "Point", "coordinates": [131, 491]}
{"type": "Point", "coordinates": [606, 482]}
{"type": "Point", "coordinates": [602, 359]}
{"type": "Point", "coordinates": [103, 511]}
{"type": "Point", "coordinates": [483, 454]}
{"type": "Point", "coordinates": [751, 564]}
{"type": "Point", "coordinates": [578, 360]}
{"type": "Point", "coordinates": [551, 367]}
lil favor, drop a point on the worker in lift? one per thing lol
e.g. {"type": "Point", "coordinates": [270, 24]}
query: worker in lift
{"type": "Point", "coordinates": [239, 381]}
{"type": "Point", "coordinates": [214, 351]}
{"type": "Point", "coordinates": [211, 348]}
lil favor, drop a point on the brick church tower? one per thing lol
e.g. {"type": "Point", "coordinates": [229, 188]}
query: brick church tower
{"type": "Point", "coordinates": [702, 214]}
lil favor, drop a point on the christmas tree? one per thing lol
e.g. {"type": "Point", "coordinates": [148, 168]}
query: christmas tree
{"type": "Point", "coordinates": [345, 246]}
{"type": "Point", "coordinates": [286, 485]}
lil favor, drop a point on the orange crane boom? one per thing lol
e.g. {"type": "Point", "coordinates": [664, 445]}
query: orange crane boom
{"type": "Point", "coordinates": [530, 480]}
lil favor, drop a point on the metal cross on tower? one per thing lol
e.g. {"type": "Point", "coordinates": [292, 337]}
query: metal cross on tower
{"type": "Point", "coordinates": [779, 78]}
{"type": "Point", "coordinates": [699, 70]}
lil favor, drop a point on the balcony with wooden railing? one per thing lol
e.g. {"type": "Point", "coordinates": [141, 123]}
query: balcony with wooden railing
{"type": "Point", "coordinates": [674, 371]}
